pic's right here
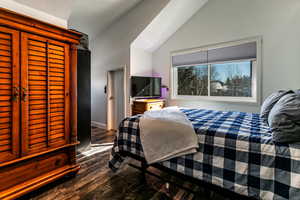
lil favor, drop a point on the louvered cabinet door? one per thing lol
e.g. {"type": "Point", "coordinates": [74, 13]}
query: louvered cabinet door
{"type": "Point", "coordinates": [59, 93]}
{"type": "Point", "coordinates": [44, 93]}
{"type": "Point", "coordinates": [9, 99]}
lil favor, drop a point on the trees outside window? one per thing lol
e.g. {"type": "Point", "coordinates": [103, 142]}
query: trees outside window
{"type": "Point", "coordinates": [233, 79]}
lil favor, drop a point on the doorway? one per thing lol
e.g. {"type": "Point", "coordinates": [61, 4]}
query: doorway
{"type": "Point", "coordinates": [115, 98]}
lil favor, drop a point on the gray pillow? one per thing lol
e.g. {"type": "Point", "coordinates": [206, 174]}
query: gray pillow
{"type": "Point", "coordinates": [269, 102]}
{"type": "Point", "coordinates": [297, 91]}
{"type": "Point", "coordinates": [284, 119]}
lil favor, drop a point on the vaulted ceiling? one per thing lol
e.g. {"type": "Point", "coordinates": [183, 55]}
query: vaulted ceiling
{"type": "Point", "coordinates": [166, 23]}
{"type": "Point", "coordinates": [57, 8]}
{"type": "Point", "coordinates": [93, 16]}
{"type": "Point", "coordinates": [88, 16]}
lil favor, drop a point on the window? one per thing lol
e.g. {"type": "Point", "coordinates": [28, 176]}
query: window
{"type": "Point", "coordinates": [193, 80]}
{"type": "Point", "coordinates": [226, 73]}
{"type": "Point", "coordinates": [231, 79]}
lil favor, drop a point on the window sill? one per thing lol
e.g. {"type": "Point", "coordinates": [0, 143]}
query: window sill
{"type": "Point", "coordinates": [242, 100]}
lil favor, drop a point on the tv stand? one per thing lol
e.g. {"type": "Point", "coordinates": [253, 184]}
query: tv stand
{"type": "Point", "coordinates": [139, 106]}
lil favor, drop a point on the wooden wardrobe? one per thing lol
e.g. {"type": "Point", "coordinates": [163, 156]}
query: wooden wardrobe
{"type": "Point", "coordinates": [38, 103]}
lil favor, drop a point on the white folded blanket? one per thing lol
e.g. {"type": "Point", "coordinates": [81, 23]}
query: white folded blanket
{"type": "Point", "coordinates": [166, 134]}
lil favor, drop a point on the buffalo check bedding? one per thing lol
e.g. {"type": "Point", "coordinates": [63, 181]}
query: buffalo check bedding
{"type": "Point", "coordinates": [236, 152]}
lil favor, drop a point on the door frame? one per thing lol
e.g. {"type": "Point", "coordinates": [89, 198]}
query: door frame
{"type": "Point", "coordinates": [111, 125]}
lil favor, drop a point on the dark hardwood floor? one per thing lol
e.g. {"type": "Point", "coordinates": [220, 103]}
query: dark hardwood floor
{"type": "Point", "coordinates": [95, 181]}
{"type": "Point", "coordinates": [100, 136]}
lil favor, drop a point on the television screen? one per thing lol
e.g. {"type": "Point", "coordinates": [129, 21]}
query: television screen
{"type": "Point", "coordinates": [145, 86]}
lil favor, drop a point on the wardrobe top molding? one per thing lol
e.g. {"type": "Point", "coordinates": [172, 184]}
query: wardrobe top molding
{"type": "Point", "coordinates": [28, 24]}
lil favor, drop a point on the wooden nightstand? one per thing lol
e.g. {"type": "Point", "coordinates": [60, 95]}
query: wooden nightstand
{"type": "Point", "coordinates": [141, 105]}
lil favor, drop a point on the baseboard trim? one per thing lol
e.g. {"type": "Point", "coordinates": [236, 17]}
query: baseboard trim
{"type": "Point", "coordinates": [98, 124]}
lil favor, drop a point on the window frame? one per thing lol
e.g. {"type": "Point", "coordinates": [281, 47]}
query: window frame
{"type": "Point", "coordinates": [256, 74]}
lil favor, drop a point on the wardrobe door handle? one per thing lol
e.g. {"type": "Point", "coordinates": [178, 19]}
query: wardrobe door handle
{"type": "Point", "coordinates": [24, 94]}
{"type": "Point", "coordinates": [15, 94]}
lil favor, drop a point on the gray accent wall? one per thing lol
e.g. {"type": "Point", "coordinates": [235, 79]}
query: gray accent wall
{"type": "Point", "coordinates": [111, 50]}
{"type": "Point", "coordinates": [219, 21]}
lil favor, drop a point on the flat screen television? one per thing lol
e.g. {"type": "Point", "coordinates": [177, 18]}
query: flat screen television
{"type": "Point", "coordinates": [145, 86]}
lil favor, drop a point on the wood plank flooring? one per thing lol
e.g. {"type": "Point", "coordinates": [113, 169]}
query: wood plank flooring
{"type": "Point", "coordinates": [100, 136]}
{"type": "Point", "coordinates": [95, 181]}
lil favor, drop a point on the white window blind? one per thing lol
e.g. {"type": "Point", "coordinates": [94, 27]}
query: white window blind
{"type": "Point", "coordinates": [231, 53]}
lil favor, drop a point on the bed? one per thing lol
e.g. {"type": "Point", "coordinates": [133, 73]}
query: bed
{"type": "Point", "coordinates": [236, 152]}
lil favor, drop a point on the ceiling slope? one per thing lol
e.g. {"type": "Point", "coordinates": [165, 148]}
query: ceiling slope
{"type": "Point", "coordinates": [166, 23]}
{"type": "Point", "coordinates": [93, 16]}
{"type": "Point", "coordinates": [57, 8]}
{"type": "Point", "coordinates": [52, 11]}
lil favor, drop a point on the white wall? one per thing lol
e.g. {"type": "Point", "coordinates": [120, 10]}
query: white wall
{"type": "Point", "coordinates": [218, 21]}
{"type": "Point", "coordinates": [111, 50]}
{"type": "Point", "coordinates": [140, 62]}
{"type": "Point", "coordinates": [36, 13]}
{"type": "Point", "coordinates": [166, 23]}
{"type": "Point", "coordinates": [94, 16]}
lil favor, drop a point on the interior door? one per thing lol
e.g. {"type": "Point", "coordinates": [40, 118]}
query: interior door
{"type": "Point", "coordinates": [9, 94]}
{"type": "Point", "coordinates": [44, 93]}
{"type": "Point", "coordinates": [115, 98]}
{"type": "Point", "coordinates": [119, 94]}
{"type": "Point", "coordinates": [110, 101]}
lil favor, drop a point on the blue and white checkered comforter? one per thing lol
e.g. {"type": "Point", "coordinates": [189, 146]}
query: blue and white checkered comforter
{"type": "Point", "coordinates": [235, 152]}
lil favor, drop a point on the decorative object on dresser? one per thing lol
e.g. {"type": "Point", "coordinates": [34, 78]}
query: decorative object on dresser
{"type": "Point", "coordinates": [139, 106]}
{"type": "Point", "coordinates": [38, 103]}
